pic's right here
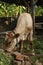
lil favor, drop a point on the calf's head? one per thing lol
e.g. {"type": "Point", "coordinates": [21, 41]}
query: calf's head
{"type": "Point", "coordinates": [10, 41]}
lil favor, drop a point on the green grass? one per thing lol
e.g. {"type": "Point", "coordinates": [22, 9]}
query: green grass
{"type": "Point", "coordinates": [4, 58]}
{"type": "Point", "coordinates": [38, 46]}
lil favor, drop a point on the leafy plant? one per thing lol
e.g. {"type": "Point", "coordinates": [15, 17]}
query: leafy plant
{"type": "Point", "coordinates": [4, 59]}
{"type": "Point", "coordinates": [7, 10]}
{"type": "Point", "coordinates": [38, 11]}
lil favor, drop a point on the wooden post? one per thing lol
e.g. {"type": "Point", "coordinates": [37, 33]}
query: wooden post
{"type": "Point", "coordinates": [33, 15]}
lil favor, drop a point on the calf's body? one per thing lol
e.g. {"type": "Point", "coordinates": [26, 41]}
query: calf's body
{"type": "Point", "coordinates": [24, 28]}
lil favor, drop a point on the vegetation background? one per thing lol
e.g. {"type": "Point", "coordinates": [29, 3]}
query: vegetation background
{"type": "Point", "coordinates": [7, 10]}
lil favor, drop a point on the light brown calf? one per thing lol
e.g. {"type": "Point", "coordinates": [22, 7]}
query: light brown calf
{"type": "Point", "coordinates": [23, 30]}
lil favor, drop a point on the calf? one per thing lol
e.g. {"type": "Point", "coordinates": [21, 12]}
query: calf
{"type": "Point", "coordinates": [23, 31]}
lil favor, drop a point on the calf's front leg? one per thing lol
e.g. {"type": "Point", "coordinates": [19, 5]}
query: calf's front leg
{"type": "Point", "coordinates": [21, 46]}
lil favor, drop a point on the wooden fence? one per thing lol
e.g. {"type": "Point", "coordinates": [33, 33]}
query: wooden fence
{"type": "Point", "coordinates": [39, 25]}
